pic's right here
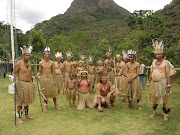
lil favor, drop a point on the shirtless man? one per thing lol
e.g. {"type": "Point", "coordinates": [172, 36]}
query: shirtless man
{"type": "Point", "coordinates": [71, 89]}
{"type": "Point", "coordinates": [59, 72]}
{"type": "Point", "coordinates": [80, 69]}
{"type": "Point", "coordinates": [108, 66]}
{"type": "Point", "coordinates": [99, 70]}
{"type": "Point", "coordinates": [159, 80]}
{"type": "Point", "coordinates": [91, 74]}
{"type": "Point", "coordinates": [47, 81]}
{"type": "Point", "coordinates": [105, 94]}
{"type": "Point", "coordinates": [24, 84]}
{"type": "Point", "coordinates": [75, 70]}
{"type": "Point", "coordinates": [124, 79]}
{"type": "Point", "coordinates": [119, 68]}
{"type": "Point", "coordinates": [67, 68]}
{"type": "Point", "coordinates": [134, 90]}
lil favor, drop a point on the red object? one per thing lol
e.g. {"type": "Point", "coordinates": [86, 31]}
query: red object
{"type": "Point", "coordinates": [104, 74]}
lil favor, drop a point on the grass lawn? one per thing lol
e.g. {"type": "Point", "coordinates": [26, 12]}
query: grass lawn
{"type": "Point", "coordinates": [114, 121]}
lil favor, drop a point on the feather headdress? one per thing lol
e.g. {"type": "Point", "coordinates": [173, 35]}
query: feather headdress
{"type": "Point", "coordinates": [125, 55]}
{"type": "Point", "coordinates": [158, 46]}
{"type": "Point", "coordinates": [132, 52]}
{"type": "Point", "coordinates": [90, 58]}
{"type": "Point", "coordinates": [47, 49]}
{"type": "Point", "coordinates": [59, 54]}
{"type": "Point", "coordinates": [118, 56]}
{"type": "Point", "coordinates": [100, 61]}
{"type": "Point", "coordinates": [69, 54]}
{"type": "Point", "coordinates": [26, 49]}
{"type": "Point", "coordinates": [109, 51]}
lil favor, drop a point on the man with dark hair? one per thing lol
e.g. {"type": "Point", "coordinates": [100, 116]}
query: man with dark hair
{"type": "Point", "coordinates": [4, 67]}
{"type": "Point", "coordinates": [24, 83]}
{"type": "Point", "coordinates": [48, 81]}
{"type": "Point", "coordinates": [134, 90]}
{"type": "Point", "coordinates": [142, 74]}
{"type": "Point", "coordinates": [159, 80]}
{"type": "Point", "coordinates": [105, 94]}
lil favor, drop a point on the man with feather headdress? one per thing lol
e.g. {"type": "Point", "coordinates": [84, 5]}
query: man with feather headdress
{"type": "Point", "coordinates": [24, 84]}
{"type": "Point", "coordinates": [159, 80]}
{"type": "Point", "coordinates": [47, 80]}
{"type": "Point", "coordinates": [59, 72]}
{"type": "Point", "coordinates": [67, 68]}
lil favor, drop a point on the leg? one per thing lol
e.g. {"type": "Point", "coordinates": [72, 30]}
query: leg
{"type": "Point", "coordinates": [45, 105]}
{"type": "Point", "coordinates": [20, 111]}
{"type": "Point", "coordinates": [155, 110]}
{"type": "Point", "coordinates": [139, 104]}
{"type": "Point", "coordinates": [166, 110]}
{"type": "Point", "coordinates": [58, 94]}
{"type": "Point", "coordinates": [73, 104]}
{"type": "Point", "coordinates": [55, 104]}
{"type": "Point", "coordinates": [143, 82]}
{"type": "Point", "coordinates": [27, 113]}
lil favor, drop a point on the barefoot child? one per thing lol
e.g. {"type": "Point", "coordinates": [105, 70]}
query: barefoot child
{"type": "Point", "coordinates": [71, 90]}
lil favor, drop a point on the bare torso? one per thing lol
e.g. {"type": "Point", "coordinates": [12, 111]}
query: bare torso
{"type": "Point", "coordinates": [133, 69]}
{"type": "Point", "coordinates": [108, 64]}
{"type": "Point", "coordinates": [124, 69]}
{"type": "Point", "coordinates": [79, 70]}
{"type": "Point", "coordinates": [119, 67]}
{"type": "Point", "coordinates": [91, 70]}
{"type": "Point", "coordinates": [84, 90]}
{"type": "Point", "coordinates": [23, 70]}
{"type": "Point", "coordinates": [159, 72]}
{"type": "Point", "coordinates": [71, 84]}
{"type": "Point", "coordinates": [47, 68]}
{"type": "Point", "coordinates": [58, 68]}
{"type": "Point", "coordinates": [104, 88]}
{"type": "Point", "coordinates": [67, 66]}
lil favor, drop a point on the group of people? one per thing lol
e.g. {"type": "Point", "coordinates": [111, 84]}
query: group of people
{"type": "Point", "coordinates": [108, 80]}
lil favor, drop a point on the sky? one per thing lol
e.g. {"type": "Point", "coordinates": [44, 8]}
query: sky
{"type": "Point", "coordinates": [29, 12]}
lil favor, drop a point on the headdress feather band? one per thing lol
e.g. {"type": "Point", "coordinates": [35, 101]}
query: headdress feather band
{"type": "Point", "coordinates": [26, 49]}
{"type": "Point", "coordinates": [158, 46]}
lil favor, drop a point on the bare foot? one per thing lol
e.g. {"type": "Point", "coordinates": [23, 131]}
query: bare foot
{"type": "Point", "coordinates": [139, 107]}
{"type": "Point", "coordinates": [20, 121]}
{"type": "Point", "coordinates": [46, 108]}
{"type": "Point", "coordinates": [57, 107]}
{"type": "Point", "coordinates": [127, 106]}
{"type": "Point", "coordinates": [29, 117]}
{"type": "Point", "coordinates": [165, 116]}
{"type": "Point", "coordinates": [153, 115]}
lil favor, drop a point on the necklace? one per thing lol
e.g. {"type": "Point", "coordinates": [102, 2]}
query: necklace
{"type": "Point", "coordinates": [157, 64]}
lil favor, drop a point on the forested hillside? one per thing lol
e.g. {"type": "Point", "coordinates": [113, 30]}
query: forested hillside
{"type": "Point", "coordinates": [90, 27]}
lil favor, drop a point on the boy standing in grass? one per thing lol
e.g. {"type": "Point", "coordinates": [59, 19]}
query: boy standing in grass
{"type": "Point", "coordinates": [71, 89]}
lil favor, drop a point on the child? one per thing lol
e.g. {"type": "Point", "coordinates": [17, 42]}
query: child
{"type": "Point", "coordinates": [71, 90]}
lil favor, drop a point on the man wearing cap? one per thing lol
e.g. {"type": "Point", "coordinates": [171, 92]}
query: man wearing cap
{"type": "Point", "coordinates": [47, 80]}
{"type": "Point", "coordinates": [159, 80]}
{"type": "Point", "coordinates": [24, 84]}
{"type": "Point", "coordinates": [59, 72]}
{"type": "Point", "coordinates": [134, 90]}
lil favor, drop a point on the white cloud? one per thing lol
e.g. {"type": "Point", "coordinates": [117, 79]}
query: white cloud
{"type": "Point", "coordinates": [30, 12]}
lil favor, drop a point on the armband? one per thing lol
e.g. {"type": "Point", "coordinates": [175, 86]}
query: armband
{"type": "Point", "coordinates": [112, 87]}
{"type": "Point", "coordinates": [99, 96]}
{"type": "Point", "coordinates": [169, 85]}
